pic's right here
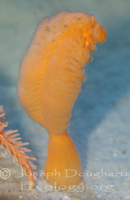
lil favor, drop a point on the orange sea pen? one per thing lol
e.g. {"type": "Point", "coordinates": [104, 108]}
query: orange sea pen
{"type": "Point", "coordinates": [50, 78]}
{"type": "Point", "coordinates": [11, 143]}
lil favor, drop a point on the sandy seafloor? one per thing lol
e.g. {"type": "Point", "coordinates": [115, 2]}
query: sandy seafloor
{"type": "Point", "coordinates": [100, 123]}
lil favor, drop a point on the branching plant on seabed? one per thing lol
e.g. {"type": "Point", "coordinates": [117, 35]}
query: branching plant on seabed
{"type": "Point", "coordinates": [12, 143]}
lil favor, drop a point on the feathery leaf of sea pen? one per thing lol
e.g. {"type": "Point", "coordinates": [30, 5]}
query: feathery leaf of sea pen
{"type": "Point", "coordinates": [10, 141]}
